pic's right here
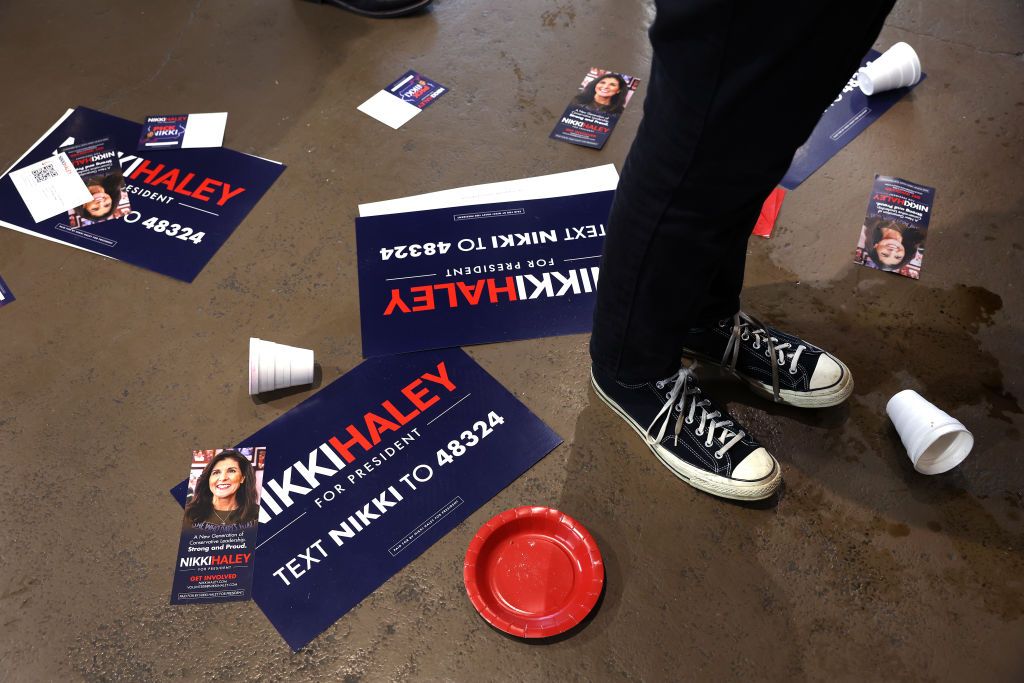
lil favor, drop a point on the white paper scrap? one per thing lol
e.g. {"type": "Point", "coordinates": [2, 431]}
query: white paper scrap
{"type": "Point", "coordinates": [205, 130]}
{"type": "Point", "coordinates": [388, 109]}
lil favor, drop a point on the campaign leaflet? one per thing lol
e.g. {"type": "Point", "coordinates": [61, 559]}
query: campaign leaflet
{"type": "Point", "coordinates": [591, 116]}
{"type": "Point", "coordinates": [403, 99]}
{"type": "Point", "coordinates": [216, 551]}
{"type": "Point", "coordinates": [895, 227]}
{"type": "Point", "coordinates": [6, 295]}
{"type": "Point", "coordinates": [184, 203]}
{"type": "Point", "coordinates": [99, 168]}
{"type": "Point", "coordinates": [49, 187]}
{"type": "Point", "coordinates": [163, 131]}
{"type": "Point", "coordinates": [371, 471]}
{"type": "Point", "coordinates": [479, 274]}
{"type": "Point", "coordinates": [848, 116]}
{"type": "Point", "coordinates": [185, 131]}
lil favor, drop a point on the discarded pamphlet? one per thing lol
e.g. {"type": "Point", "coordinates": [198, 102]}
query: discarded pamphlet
{"type": "Point", "coordinates": [894, 231]}
{"type": "Point", "coordinates": [593, 113]}
{"type": "Point", "coordinates": [184, 131]}
{"type": "Point", "coordinates": [216, 552]}
{"type": "Point", "coordinates": [396, 104]}
{"type": "Point", "coordinates": [49, 187]}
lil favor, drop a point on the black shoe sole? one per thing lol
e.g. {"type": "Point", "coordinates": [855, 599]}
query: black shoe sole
{"type": "Point", "coordinates": [379, 14]}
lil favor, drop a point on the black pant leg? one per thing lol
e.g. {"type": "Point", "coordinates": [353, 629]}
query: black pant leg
{"type": "Point", "coordinates": [735, 88]}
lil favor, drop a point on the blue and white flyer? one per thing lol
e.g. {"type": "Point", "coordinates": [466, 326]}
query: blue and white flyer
{"type": "Point", "coordinates": [896, 226]}
{"type": "Point", "coordinates": [216, 550]}
{"type": "Point", "coordinates": [184, 204]}
{"type": "Point", "coordinates": [403, 99]}
{"type": "Point", "coordinates": [592, 114]}
{"type": "Point", "coordinates": [183, 131]}
{"type": "Point", "coordinates": [481, 273]}
{"type": "Point", "coordinates": [372, 470]}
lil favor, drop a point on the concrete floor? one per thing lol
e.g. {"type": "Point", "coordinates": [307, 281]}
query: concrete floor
{"type": "Point", "coordinates": [860, 569]}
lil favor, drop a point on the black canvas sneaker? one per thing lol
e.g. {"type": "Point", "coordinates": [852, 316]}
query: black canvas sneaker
{"type": "Point", "coordinates": [698, 442]}
{"type": "Point", "coordinates": [777, 365]}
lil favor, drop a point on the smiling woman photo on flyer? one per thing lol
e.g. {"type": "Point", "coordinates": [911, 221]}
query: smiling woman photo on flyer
{"type": "Point", "coordinates": [225, 493]}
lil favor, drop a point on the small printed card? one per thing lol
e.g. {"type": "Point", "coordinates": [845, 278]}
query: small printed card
{"type": "Point", "coordinates": [894, 231]}
{"type": "Point", "coordinates": [97, 164]}
{"type": "Point", "coordinates": [218, 534]}
{"type": "Point", "coordinates": [183, 131]}
{"type": "Point", "coordinates": [591, 116]}
{"type": "Point", "coordinates": [396, 104]}
{"type": "Point", "coordinates": [6, 295]}
{"type": "Point", "coordinates": [50, 187]}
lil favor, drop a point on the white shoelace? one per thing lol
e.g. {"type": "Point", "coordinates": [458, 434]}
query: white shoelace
{"type": "Point", "coordinates": [743, 326]}
{"type": "Point", "coordinates": [709, 420]}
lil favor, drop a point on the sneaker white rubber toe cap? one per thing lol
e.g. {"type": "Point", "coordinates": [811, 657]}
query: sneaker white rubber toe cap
{"type": "Point", "coordinates": [756, 466]}
{"type": "Point", "coordinates": [827, 373]}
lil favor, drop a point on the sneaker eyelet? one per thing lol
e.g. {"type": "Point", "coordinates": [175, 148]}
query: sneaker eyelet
{"type": "Point", "coordinates": [792, 371]}
{"type": "Point", "coordinates": [745, 337]}
{"type": "Point", "coordinates": [699, 432]}
{"type": "Point", "coordinates": [660, 384]}
{"type": "Point", "coordinates": [718, 456]}
{"type": "Point", "coordinates": [766, 354]}
{"type": "Point", "coordinates": [757, 346]}
{"type": "Point", "coordinates": [668, 394]}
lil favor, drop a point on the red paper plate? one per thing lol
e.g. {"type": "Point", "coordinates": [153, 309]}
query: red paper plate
{"type": "Point", "coordinates": [533, 572]}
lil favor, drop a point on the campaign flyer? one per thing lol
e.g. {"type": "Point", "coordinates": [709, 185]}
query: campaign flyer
{"type": "Point", "coordinates": [479, 274]}
{"type": "Point", "coordinates": [163, 131]}
{"type": "Point", "coordinates": [6, 295]}
{"type": "Point", "coordinates": [894, 231]}
{"type": "Point", "coordinates": [99, 168]}
{"type": "Point", "coordinates": [185, 204]}
{"type": "Point", "coordinates": [403, 99]}
{"type": "Point", "coordinates": [185, 131]}
{"type": "Point", "coordinates": [49, 187]}
{"type": "Point", "coordinates": [371, 471]}
{"type": "Point", "coordinates": [591, 116]}
{"type": "Point", "coordinates": [848, 116]}
{"type": "Point", "coordinates": [216, 552]}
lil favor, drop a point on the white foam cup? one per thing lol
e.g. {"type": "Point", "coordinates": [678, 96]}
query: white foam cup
{"type": "Point", "coordinates": [277, 366]}
{"type": "Point", "coordinates": [935, 441]}
{"type": "Point", "coordinates": [897, 67]}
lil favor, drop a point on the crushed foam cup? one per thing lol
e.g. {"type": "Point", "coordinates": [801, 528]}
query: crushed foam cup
{"type": "Point", "coordinates": [277, 366]}
{"type": "Point", "coordinates": [935, 441]}
{"type": "Point", "coordinates": [897, 67]}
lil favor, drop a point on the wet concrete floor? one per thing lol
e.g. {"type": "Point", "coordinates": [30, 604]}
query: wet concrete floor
{"type": "Point", "coordinates": [859, 569]}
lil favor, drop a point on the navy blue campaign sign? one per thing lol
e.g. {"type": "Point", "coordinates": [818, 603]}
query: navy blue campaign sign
{"type": "Point", "coordinates": [184, 203]}
{"type": "Point", "coordinates": [478, 274]}
{"type": "Point", "coordinates": [846, 118]}
{"type": "Point", "coordinates": [364, 476]}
